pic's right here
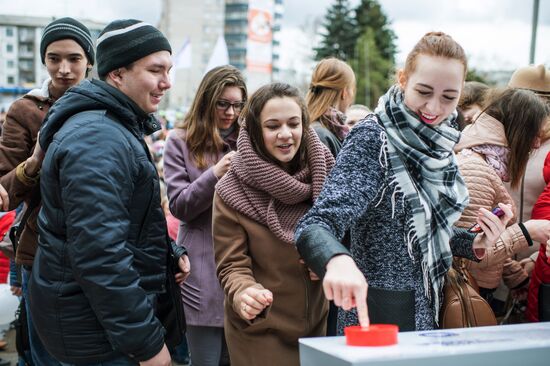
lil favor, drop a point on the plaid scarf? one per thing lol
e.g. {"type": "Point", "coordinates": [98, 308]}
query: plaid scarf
{"type": "Point", "coordinates": [425, 170]}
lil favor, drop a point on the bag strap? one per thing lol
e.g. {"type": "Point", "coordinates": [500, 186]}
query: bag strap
{"type": "Point", "coordinates": [459, 287]}
{"type": "Point", "coordinates": [20, 222]}
{"type": "Point", "coordinates": [36, 198]}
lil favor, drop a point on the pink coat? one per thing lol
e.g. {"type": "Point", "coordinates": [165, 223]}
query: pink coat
{"type": "Point", "coordinates": [190, 195]}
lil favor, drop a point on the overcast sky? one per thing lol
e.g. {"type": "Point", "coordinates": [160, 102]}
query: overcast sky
{"type": "Point", "coordinates": [496, 34]}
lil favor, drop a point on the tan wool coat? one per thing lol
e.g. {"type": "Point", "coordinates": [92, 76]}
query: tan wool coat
{"type": "Point", "coordinates": [248, 254]}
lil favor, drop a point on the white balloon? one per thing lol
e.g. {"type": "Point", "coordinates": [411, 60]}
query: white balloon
{"type": "Point", "coordinates": [8, 304]}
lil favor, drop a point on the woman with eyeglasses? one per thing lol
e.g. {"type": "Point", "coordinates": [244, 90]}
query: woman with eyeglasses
{"type": "Point", "coordinates": [197, 154]}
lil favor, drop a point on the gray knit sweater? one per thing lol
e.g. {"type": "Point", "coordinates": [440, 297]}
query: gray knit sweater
{"type": "Point", "coordinates": [360, 195]}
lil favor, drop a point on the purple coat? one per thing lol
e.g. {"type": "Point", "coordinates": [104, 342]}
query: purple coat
{"type": "Point", "coordinates": [190, 193]}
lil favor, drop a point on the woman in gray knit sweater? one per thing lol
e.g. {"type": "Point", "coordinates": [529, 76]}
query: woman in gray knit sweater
{"type": "Point", "coordinates": [396, 186]}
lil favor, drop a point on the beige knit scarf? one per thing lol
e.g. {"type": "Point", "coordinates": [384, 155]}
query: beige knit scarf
{"type": "Point", "coordinates": [269, 195]}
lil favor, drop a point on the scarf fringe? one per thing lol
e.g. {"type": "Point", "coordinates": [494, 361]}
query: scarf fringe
{"type": "Point", "coordinates": [395, 191]}
{"type": "Point", "coordinates": [383, 150]}
{"type": "Point", "coordinates": [410, 239]}
{"type": "Point", "coordinates": [383, 161]}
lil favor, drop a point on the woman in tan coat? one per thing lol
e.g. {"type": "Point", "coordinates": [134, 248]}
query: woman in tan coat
{"type": "Point", "coordinates": [494, 150]}
{"type": "Point", "coordinates": [278, 171]}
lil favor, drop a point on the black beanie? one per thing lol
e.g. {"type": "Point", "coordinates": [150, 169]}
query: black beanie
{"type": "Point", "coordinates": [125, 41]}
{"type": "Point", "coordinates": [67, 28]}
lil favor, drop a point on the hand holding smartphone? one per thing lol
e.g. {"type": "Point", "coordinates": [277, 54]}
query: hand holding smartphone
{"type": "Point", "coordinates": [497, 211]}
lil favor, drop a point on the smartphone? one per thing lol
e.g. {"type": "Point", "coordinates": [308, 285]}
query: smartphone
{"type": "Point", "coordinates": [477, 229]}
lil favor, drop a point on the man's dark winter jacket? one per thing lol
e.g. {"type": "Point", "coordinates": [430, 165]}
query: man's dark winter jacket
{"type": "Point", "coordinates": [102, 245]}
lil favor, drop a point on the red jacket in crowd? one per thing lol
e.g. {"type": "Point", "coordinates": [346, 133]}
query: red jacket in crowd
{"type": "Point", "coordinates": [541, 273]}
{"type": "Point", "coordinates": [6, 220]}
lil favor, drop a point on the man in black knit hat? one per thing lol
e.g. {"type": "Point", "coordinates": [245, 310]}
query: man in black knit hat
{"type": "Point", "coordinates": [102, 257]}
{"type": "Point", "coordinates": [67, 52]}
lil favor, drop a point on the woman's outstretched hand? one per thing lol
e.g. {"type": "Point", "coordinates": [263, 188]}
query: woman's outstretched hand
{"type": "Point", "coordinates": [347, 286]}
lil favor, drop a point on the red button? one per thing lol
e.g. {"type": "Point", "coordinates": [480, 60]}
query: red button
{"type": "Point", "coordinates": [374, 335]}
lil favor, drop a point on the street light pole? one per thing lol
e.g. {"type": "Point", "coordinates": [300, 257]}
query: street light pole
{"type": "Point", "coordinates": [534, 31]}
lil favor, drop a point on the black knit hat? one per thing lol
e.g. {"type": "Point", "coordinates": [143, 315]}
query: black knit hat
{"type": "Point", "coordinates": [67, 28]}
{"type": "Point", "coordinates": [125, 41]}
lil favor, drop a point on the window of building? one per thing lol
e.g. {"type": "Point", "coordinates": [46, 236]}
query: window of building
{"type": "Point", "coordinates": [26, 77]}
{"type": "Point", "coordinates": [26, 65]}
{"type": "Point", "coordinates": [9, 48]}
{"type": "Point", "coordinates": [26, 34]}
{"type": "Point", "coordinates": [11, 80]}
{"type": "Point", "coordinates": [9, 32]}
{"type": "Point", "coordinates": [26, 48]}
{"type": "Point", "coordinates": [10, 64]}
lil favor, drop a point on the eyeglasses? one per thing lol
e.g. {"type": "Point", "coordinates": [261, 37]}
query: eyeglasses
{"type": "Point", "coordinates": [223, 105]}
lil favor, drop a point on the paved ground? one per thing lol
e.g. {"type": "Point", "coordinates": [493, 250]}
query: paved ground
{"type": "Point", "coordinates": [10, 353]}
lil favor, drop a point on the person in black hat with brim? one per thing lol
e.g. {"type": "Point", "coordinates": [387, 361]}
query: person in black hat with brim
{"type": "Point", "coordinates": [101, 263]}
{"type": "Point", "coordinates": [67, 52]}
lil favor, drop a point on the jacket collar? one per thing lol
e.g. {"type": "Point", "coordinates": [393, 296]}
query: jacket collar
{"type": "Point", "coordinates": [485, 130]}
{"type": "Point", "coordinates": [42, 93]}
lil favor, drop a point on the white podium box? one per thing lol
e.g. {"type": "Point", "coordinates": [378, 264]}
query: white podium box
{"type": "Point", "coordinates": [505, 345]}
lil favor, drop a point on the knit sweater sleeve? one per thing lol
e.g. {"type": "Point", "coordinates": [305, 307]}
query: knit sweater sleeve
{"type": "Point", "coordinates": [349, 191]}
{"type": "Point", "coordinates": [461, 244]}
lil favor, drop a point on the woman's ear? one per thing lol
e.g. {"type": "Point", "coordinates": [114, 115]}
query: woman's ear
{"type": "Point", "coordinates": [402, 79]}
{"type": "Point", "coordinates": [344, 94]}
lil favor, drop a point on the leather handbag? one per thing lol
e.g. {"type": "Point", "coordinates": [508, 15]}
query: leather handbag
{"type": "Point", "coordinates": [463, 307]}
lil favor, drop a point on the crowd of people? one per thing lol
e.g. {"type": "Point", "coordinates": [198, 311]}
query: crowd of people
{"type": "Point", "coordinates": [256, 220]}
